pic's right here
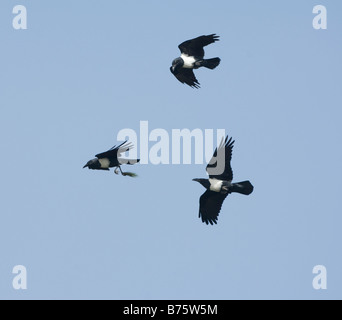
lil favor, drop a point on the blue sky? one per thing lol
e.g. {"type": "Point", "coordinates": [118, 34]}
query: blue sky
{"type": "Point", "coordinates": [84, 70]}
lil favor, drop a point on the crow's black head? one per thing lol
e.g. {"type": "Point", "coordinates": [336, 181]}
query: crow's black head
{"type": "Point", "coordinates": [177, 64]}
{"type": "Point", "coordinates": [93, 164]}
{"type": "Point", "coordinates": [204, 182]}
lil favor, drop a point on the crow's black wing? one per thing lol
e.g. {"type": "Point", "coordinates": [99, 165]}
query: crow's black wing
{"type": "Point", "coordinates": [219, 166]}
{"type": "Point", "coordinates": [210, 206]}
{"type": "Point", "coordinates": [115, 152]}
{"type": "Point", "coordinates": [187, 76]}
{"type": "Point", "coordinates": [195, 46]}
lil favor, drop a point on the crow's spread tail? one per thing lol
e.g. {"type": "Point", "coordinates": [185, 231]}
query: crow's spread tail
{"type": "Point", "coordinates": [211, 63]}
{"type": "Point", "coordinates": [244, 187]}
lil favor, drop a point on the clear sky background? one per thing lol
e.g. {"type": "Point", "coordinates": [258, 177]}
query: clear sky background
{"type": "Point", "coordinates": [84, 70]}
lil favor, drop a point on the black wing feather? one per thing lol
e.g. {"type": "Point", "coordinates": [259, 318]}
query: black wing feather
{"type": "Point", "coordinates": [223, 153]}
{"type": "Point", "coordinates": [210, 206]}
{"type": "Point", "coordinates": [195, 46]}
{"type": "Point", "coordinates": [187, 76]}
{"type": "Point", "coordinates": [113, 152]}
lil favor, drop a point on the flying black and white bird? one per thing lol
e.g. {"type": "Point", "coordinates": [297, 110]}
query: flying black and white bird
{"type": "Point", "coordinates": [192, 57]}
{"type": "Point", "coordinates": [220, 185]}
{"type": "Point", "coordinates": [112, 159]}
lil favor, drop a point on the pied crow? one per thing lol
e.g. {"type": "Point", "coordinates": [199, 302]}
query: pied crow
{"type": "Point", "coordinates": [220, 185]}
{"type": "Point", "coordinates": [112, 159]}
{"type": "Point", "coordinates": [192, 57]}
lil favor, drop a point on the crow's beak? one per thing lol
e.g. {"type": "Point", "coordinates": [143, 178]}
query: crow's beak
{"type": "Point", "coordinates": [195, 180]}
{"type": "Point", "coordinates": [85, 166]}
